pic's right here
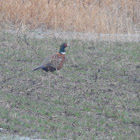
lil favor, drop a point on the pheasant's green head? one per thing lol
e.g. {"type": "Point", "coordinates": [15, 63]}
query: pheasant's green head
{"type": "Point", "coordinates": [62, 48]}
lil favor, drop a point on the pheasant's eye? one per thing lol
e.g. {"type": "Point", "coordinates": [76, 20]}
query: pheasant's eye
{"type": "Point", "coordinates": [65, 45]}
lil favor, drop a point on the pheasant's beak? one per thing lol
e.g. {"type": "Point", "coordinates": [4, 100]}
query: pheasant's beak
{"type": "Point", "coordinates": [68, 45]}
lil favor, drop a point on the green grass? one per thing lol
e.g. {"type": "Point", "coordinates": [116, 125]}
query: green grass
{"type": "Point", "coordinates": [94, 96]}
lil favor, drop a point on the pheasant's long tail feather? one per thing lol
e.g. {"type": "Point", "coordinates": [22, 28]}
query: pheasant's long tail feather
{"type": "Point", "coordinates": [40, 67]}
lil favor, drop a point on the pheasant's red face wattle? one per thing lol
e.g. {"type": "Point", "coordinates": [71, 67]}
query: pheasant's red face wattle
{"type": "Point", "coordinates": [65, 45]}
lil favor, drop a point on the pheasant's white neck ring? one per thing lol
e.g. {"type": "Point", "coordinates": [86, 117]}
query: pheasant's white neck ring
{"type": "Point", "coordinates": [63, 52]}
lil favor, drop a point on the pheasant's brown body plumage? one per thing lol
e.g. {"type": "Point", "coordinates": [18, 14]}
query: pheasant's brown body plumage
{"type": "Point", "coordinates": [55, 62]}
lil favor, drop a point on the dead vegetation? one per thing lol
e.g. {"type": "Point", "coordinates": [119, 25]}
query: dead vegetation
{"type": "Point", "coordinates": [108, 16]}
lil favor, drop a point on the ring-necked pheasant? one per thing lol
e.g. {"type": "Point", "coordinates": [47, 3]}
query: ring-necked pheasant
{"type": "Point", "coordinates": [55, 62]}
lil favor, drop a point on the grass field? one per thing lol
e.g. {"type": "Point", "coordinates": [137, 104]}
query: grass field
{"type": "Point", "coordinates": [95, 96]}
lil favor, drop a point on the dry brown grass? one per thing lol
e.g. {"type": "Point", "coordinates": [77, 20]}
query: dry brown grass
{"type": "Point", "coordinates": [108, 16]}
